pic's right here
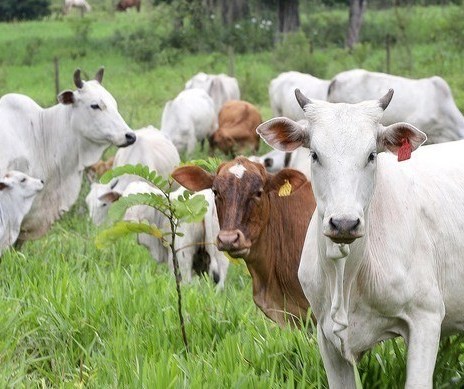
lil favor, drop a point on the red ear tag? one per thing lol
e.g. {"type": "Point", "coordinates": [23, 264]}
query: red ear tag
{"type": "Point", "coordinates": [404, 152]}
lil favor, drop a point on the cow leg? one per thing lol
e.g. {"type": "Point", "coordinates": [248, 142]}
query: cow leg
{"type": "Point", "coordinates": [339, 371]}
{"type": "Point", "coordinates": [424, 338]}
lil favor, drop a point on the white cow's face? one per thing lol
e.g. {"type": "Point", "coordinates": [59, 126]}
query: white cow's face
{"type": "Point", "coordinates": [343, 151]}
{"type": "Point", "coordinates": [21, 185]}
{"type": "Point", "coordinates": [95, 114]}
{"type": "Point", "coordinates": [99, 199]}
{"type": "Point", "coordinates": [344, 140]}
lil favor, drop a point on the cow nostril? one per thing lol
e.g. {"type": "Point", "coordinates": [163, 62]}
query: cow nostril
{"type": "Point", "coordinates": [344, 225]}
{"type": "Point", "coordinates": [42, 181]}
{"type": "Point", "coordinates": [130, 138]}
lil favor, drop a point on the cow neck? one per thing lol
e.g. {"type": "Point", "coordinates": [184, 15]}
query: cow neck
{"type": "Point", "coordinates": [9, 220]}
{"type": "Point", "coordinates": [273, 262]}
{"type": "Point", "coordinates": [57, 126]}
{"type": "Point", "coordinates": [341, 264]}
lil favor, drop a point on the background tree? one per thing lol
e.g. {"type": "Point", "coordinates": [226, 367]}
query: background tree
{"type": "Point", "coordinates": [23, 9]}
{"type": "Point", "coordinates": [288, 15]}
{"type": "Point", "coordinates": [357, 8]}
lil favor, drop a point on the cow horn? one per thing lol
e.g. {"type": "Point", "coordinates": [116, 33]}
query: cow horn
{"type": "Point", "coordinates": [77, 78]}
{"type": "Point", "coordinates": [99, 75]}
{"type": "Point", "coordinates": [385, 100]}
{"type": "Point", "coordinates": [301, 98]}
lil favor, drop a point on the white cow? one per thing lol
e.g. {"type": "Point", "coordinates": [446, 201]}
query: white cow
{"type": "Point", "coordinates": [79, 4]}
{"type": "Point", "coordinates": [152, 149]}
{"type": "Point", "coordinates": [17, 192]}
{"type": "Point", "coordinates": [273, 161]}
{"type": "Point", "coordinates": [189, 118]}
{"type": "Point", "coordinates": [427, 103]}
{"type": "Point", "coordinates": [281, 95]}
{"type": "Point", "coordinates": [191, 245]}
{"type": "Point", "coordinates": [383, 255]}
{"type": "Point", "coordinates": [220, 87]}
{"type": "Point", "coordinates": [57, 143]}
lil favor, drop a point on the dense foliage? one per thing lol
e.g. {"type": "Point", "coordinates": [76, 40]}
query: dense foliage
{"type": "Point", "coordinates": [23, 9]}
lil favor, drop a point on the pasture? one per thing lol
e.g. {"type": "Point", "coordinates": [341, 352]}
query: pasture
{"type": "Point", "coordinates": [77, 316]}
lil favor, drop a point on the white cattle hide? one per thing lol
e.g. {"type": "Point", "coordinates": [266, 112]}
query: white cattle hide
{"type": "Point", "coordinates": [152, 149]}
{"type": "Point", "coordinates": [273, 161]}
{"type": "Point", "coordinates": [383, 255]}
{"type": "Point", "coordinates": [189, 118]}
{"type": "Point", "coordinates": [17, 192]}
{"type": "Point", "coordinates": [57, 143]}
{"type": "Point", "coordinates": [220, 87]}
{"type": "Point", "coordinates": [281, 94]}
{"type": "Point", "coordinates": [80, 4]}
{"type": "Point", "coordinates": [426, 103]}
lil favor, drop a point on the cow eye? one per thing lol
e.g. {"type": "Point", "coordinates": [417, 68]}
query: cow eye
{"type": "Point", "coordinates": [314, 156]}
{"type": "Point", "coordinates": [23, 180]}
{"type": "Point", "coordinates": [371, 157]}
{"type": "Point", "coordinates": [95, 106]}
{"type": "Point", "coordinates": [258, 194]}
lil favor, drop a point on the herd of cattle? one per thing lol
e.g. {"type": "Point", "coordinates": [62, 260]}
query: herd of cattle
{"type": "Point", "coordinates": [379, 256]}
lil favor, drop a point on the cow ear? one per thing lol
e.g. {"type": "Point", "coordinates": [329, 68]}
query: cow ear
{"type": "Point", "coordinates": [110, 197]}
{"type": "Point", "coordinates": [66, 97]}
{"type": "Point", "coordinates": [286, 181]}
{"type": "Point", "coordinates": [395, 136]}
{"type": "Point", "coordinates": [3, 185]}
{"type": "Point", "coordinates": [283, 134]}
{"type": "Point", "coordinates": [193, 178]}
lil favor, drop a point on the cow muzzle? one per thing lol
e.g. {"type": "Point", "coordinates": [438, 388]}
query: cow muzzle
{"type": "Point", "coordinates": [130, 139]}
{"type": "Point", "coordinates": [344, 228]}
{"type": "Point", "coordinates": [234, 242]}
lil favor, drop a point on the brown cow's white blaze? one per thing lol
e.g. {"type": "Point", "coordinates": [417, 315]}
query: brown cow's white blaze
{"type": "Point", "coordinates": [237, 170]}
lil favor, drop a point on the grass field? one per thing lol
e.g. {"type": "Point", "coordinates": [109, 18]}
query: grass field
{"type": "Point", "coordinates": [75, 316]}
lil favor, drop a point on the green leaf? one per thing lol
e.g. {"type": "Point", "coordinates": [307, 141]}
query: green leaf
{"type": "Point", "coordinates": [190, 209]}
{"type": "Point", "coordinates": [124, 228]}
{"type": "Point", "coordinates": [357, 378]}
{"type": "Point", "coordinates": [137, 170]}
{"type": "Point", "coordinates": [211, 164]}
{"type": "Point", "coordinates": [119, 208]}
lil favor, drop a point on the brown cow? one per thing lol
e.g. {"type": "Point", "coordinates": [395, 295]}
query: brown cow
{"type": "Point", "coordinates": [264, 226]}
{"type": "Point", "coordinates": [124, 4]}
{"type": "Point", "coordinates": [99, 168]}
{"type": "Point", "coordinates": [236, 128]}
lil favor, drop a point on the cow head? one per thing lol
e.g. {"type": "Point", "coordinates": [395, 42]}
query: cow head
{"type": "Point", "coordinates": [224, 142]}
{"type": "Point", "coordinates": [344, 140]}
{"type": "Point", "coordinates": [241, 189]}
{"type": "Point", "coordinates": [99, 199]}
{"type": "Point", "coordinates": [95, 112]}
{"type": "Point", "coordinates": [21, 185]}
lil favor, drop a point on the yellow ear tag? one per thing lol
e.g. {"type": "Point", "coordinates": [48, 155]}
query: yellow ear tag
{"type": "Point", "coordinates": [285, 189]}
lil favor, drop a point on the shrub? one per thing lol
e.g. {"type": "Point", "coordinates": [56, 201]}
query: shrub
{"type": "Point", "coordinates": [295, 53]}
{"type": "Point", "coordinates": [23, 9]}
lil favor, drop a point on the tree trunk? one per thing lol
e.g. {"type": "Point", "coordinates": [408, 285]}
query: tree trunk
{"type": "Point", "coordinates": [357, 8]}
{"type": "Point", "coordinates": [289, 16]}
{"type": "Point", "coordinates": [233, 11]}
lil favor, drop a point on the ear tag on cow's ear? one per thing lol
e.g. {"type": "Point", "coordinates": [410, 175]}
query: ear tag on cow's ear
{"type": "Point", "coordinates": [404, 152]}
{"type": "Point", "coordinates": [285, 189]}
